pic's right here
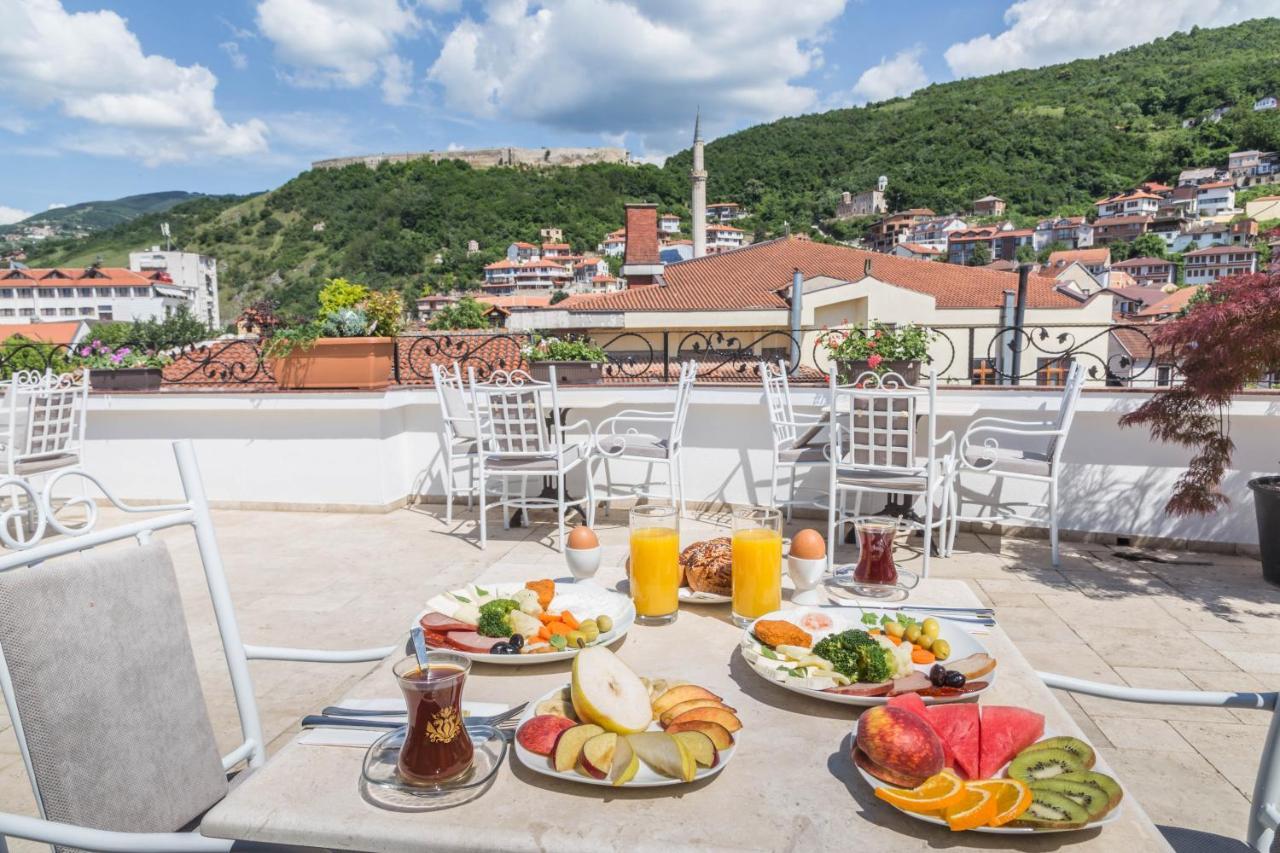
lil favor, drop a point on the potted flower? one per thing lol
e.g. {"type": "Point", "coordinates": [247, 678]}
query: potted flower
{"type": "Point", "coordinates": [577, 362]}
{"type": "Point", "coordinates": [1226, 340]}
{"type": "Point", "coordinates": [350, 345]}
{"type": "Point", "coordinates": [121, 368]}
{"type": "Point", "coordinates": [880, 349]}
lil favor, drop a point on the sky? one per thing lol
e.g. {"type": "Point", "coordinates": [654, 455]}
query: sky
{"type": "Point", "coordinates": [105, 98]}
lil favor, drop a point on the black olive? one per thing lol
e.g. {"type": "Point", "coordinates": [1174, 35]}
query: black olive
{"type": "Point", "coordinates": [937, 675]}
{"type": "Point", "coordinates": [955, 679]}
{"type": "Point", "coordinates": [516, 641]}
{"type": "Point", "coordinates": [501, 649]}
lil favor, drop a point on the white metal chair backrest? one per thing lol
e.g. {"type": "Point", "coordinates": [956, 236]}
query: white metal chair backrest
{"type": "Point", "coordinates": [684, 391]}
{"type": "Point", "coordinates": [455, 402]}
{"type": "Point", "coordinates": [1067, 408]}
{"type": "Point", "coordinates": [55, 411]}
{"type": "Point", "coordinates": [511, 413]}
{"type": "Point", "coordinates": [879, 420]}
{"type": "Point", "coordinates": [777, 397]}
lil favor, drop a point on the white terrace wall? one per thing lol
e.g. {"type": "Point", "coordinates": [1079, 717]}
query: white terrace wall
{"type": "Point", "coordinates": [373, 451]}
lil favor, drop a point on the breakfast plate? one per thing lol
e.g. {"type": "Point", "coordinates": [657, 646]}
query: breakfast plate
{"type": "Point", "coordinates": [794, 659]}
{"type": "Point", "coordinates": [451, 621]}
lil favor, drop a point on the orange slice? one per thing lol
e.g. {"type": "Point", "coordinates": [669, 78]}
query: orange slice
{"type": "Point", "coordinates": [976, 808]}
{"type": "Point", "coordinates": [937, 792]}
{"type": "Point", "coordinates": [1012, 797]}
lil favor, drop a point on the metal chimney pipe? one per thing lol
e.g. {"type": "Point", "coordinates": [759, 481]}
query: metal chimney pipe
{"type": "Point", "coordinates": [797, 314]}
{"type": "Point", "coordinates": [1004, 344]}
{"type": "Point", "coordinates": [1019, 318]}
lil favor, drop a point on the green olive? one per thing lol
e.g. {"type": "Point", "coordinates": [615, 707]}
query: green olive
{"type": "Point", "coordinates": [931, 627]}
{"type": "Point", "coordinates": [894, 629]}
{"type": "Point", "coordinates": [604, 623]}
{"type": "Point", "coordinates": [590, 631]}
{"type": "Point", "coordinates": [576, 640]}
{"type": "Point", "coordinates": [941, 649]}
{"type": "Point", "coordinates": [912, 633]}
{"type": "Point", "coordinates": [925, 642]}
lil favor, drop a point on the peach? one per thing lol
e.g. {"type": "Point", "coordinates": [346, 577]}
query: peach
{"type": "Point", "coordinates": [671, 713]}
{"type": "Point", "coordinates": [719, 735]}
{"type": "Point", "coordinates": [722, 716]}
{"type": "Point", "coordinates": [539, 734]}
{"type": "Point", "coordinates": [900, 742]}
{"type": "Point", "coordinates": [681, 693]}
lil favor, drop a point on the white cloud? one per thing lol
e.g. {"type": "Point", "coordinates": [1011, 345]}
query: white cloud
{"type": "Point", "coordinates": [634, 66]}
{"type": "Point", "coordinates": [10, 215]}
{"type": "Point", "coordinates": [92, 67]}
{"type": "Point", "coordinates": [1045, 32]}
{"type": "Point", "coordinates": [238, 60]}
{"type": "Point", "coordinates": [342, 43]}
{"type": "Point", "coordinates": [57, 204]}
{"type": "Point", "coordinates": [895, 77]}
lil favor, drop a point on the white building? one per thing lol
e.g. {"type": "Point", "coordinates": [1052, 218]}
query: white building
{"type": "Point", "coordinates": [722, 238]}
{"type": "Point", "coordinates": [724, 212]}
{"type": "Point", "coordinates": [934, 233]}
{"type": "Point", "coordinates": [192, 272]}
{"type": "Point", "coordinates": [1267, 103]}
{"type": "Point", "coordinates": [95, 293]}
{"type": "Point", "coordinates": [614, 243]}
{"type": "Point", "coordinates": [1207, 265]}
{"type": "Point", "coordinates": [669, 223]}
{"type": "Point", "coordinates": [1216, 197]}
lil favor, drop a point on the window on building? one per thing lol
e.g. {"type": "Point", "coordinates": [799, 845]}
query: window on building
{"type": "Point", "coordinates": [86, 311]}
{"type": "Point", "coordinates": [1052, 371]}
{"type": "Point", "coordinates": [122, 291]}
{"type": "Point", "coordinates": [6, 292]}
{"type": "Point", "coordinates": [7, 312]}
{"type": "Point", "coordinates": [86, 291]}
{"type": "Point", "coordinates": [142, 291]}
{"type": "Point", "coordinates": [104, 312]}
{"type": "Point", "coordinates": [48, 312]}
{"type": "Point", "coordinates": [67, 312]}
{"type": "Point", "coordinates": [26, 312]}
{"type": "Point", "coordinates": [982, 372]}
{"type": "Point", "coordinates": [66, 292]}
{"type": "Point", "coordinates": [104, 291]}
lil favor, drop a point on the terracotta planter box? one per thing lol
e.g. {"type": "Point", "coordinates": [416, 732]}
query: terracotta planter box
{"type": "Point", "coordinates": [568, 372]}
{"type": "Point", "coordinates": [361, 363]}
{"type": "Point", "coordinates": [851, 370]}
{"type": "Point", "coordinates": [126, 379]}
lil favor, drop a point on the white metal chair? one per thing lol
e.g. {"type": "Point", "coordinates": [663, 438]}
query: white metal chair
{"type": "Point", "coordinates": [522, 434]}
{"type": "Point", "coordinates": [1264, 806]}
{"type": "Point", "coordinates": [797, 438]}
{"type": "Point", "coordinates": [46, 422]}
{"type": "Point", "coordinates": [461, 441]}
{"type": "Point", "coordinates": [872, 448]}
{"type": "Point", "coordinates": [981, 452]}
{"type": "Point", "coordinates": [648, 437]}
{"type": "Point", "coordinates": [118, 744]}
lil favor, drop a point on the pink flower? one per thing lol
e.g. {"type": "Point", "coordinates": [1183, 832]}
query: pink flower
{"type": "Point", "coordinates": [871, 344]}
{"type": "Point", "coordinates": [84, 350]}
{"type": "Point", "coordinates": [873, 360]}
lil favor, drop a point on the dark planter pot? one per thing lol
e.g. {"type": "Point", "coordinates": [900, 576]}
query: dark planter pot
{"type": "Point", "coordinates": [568, 372]}
{"type": "Point", "coordinates": [851, 370]}
{"type": "Point", "coordinates": [126, 379]}
{"type": "Point", "coordinates": [1266, 505]}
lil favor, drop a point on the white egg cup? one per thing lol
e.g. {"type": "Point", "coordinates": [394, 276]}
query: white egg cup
{"type": "Point", "coordinates": [807, 577]}
{"type": "Point", "coordinates": [583, 562]}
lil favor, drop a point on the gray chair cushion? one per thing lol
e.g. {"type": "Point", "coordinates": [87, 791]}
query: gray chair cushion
{"type": "Point", "coordinates": [635, 444]}
{"type": "Point", "coordinates": [893, 480]}
{"type": "Point", "coordinates": [1006, 460]}
{"type": "Point", "coordinates": [803, 453]}
{"type": "Point", "coordinates": [533, 464]}
{"type": "Point", "coordinates": [105, 682]}
{"type": "Point", "coordinates": [48, 462]}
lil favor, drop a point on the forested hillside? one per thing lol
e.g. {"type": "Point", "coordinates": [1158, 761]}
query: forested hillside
{"type": "Point", "coordinates": [97, 215]}
{"type": "Point", "coordinates": [1049, 140]}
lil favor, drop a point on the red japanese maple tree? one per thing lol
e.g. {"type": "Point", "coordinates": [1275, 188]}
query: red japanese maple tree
{"type": "Point", "coordinates": [1224, 342]}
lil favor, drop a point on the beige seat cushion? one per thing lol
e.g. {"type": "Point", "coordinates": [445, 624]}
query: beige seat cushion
{"type": "Point", "coordinates": [533, 464]}
{"type": "Point", "coordinates": [890, 480]}
{"type": "Point", "coordinates": [50, 462]}
{"type": "Point", "coordinates": [635, 444]}
{"type": "Point", "coordinates": [105, 682]}
{"type": "Point", "coordinates": [803, 453]}
{"type": "Point", "coordinates": [1005, 460]}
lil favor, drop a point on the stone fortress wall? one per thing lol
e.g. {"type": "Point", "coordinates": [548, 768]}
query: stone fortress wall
{"type": "Point", "coordinates": [483, 158]}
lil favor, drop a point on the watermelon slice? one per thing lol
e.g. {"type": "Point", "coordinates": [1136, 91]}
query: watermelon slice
{"type": "Point", "coordinates": [957, 725]}
{"type": "Point", "coordinates": [1006, 731]}
{"type": "Point", "coordinates": [913, 704]}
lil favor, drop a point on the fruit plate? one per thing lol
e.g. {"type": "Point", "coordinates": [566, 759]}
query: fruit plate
{"type": "Point", "coordinates": [583, 599]}
{"type": "Point", "coordinates": [692, 596]}
{"type": "Point", "coordinates": [1101, 767]}
{"type": "Point", "coordinates": [963, 644]}
{"type": "Point", "coordinates": [646, 777]}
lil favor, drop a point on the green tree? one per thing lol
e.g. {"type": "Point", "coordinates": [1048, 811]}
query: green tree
{"type": "Point", "coordinates": [980, 256]}
{"type": "Point", "coordinates": [466, 313]}
{"type": "Point", "coordinates": [1025, 254]}
{"type": "Point", "coordinates": [1148, 246]}
{"type": "Point", "coordinates": [1055, 246]}
{"type": "Point", "coordinates": [558, 297]}
{"type": "Point", "coordinates": [1120, 250]}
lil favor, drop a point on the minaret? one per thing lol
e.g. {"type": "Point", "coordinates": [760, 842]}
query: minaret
{"type": "Point", "coordinates": [699, 205]}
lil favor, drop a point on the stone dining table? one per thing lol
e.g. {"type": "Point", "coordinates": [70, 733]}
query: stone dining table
{"type": "Point", "coordinates": [791, 784]}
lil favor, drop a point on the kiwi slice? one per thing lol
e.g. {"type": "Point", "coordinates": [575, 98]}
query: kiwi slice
{"type": "Point", "coordinates": [1075, 746]}
{"type": "Point", "coordinates": [1087, 794]}
{"type": "Point", "coordinates": [1043, 764]}
{"type": "Point", "coordinates": [1051, 810]}
{"type": "Point", "coordinates": [1106, 783]}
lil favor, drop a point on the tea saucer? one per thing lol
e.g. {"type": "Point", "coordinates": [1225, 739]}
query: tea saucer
{"type": "Point", "coordinates": [382, 786]}
{"type": "Point", "coordinates": [842, 578]}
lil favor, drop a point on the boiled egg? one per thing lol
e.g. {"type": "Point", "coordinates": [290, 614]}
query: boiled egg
{"type": "Point", "coordinates": [808, 544]}
{"type": "Point", "coordinates": [582, 538]}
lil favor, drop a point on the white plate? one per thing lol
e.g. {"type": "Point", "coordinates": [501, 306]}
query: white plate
{"type": "Point", "coordinates": [584, 599]}
{"type": "Point", "coordinates": [962, 643]}
{"type": "Point", "coordinates": [1100, 766]}
{"type": "Point", "coordinates": [690, 596]}
{"type": "Point", "coordinates": [645, 777]}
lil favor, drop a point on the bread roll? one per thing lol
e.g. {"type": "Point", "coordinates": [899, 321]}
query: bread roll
{"type": "Point", "coordinates": [708, 566]}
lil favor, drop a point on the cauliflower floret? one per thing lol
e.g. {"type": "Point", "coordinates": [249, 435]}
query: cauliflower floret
{"type": "Point", "coordinates": [528, 600]}
{"type": "Point", "coordinates": [901, 657]}
{"type": "Point", "coordinates": [523, 623]}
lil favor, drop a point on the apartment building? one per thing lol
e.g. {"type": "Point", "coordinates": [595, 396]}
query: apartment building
{"type": "Point", "coordinates": [94, 293]}
{"type": "Point", "coordinates": [989, 205]}
{"type": "Point", "coordinates": [669, 223]}
{"type": "Point", "coordinates": [896, 227]}
{"type": "Point", "coordinates": [722, 238]}
{"type": "Point", "coordinates": [934, 233]}
{"type": "Point", "coordinates": [1096, 261]}
{"type": "Point", "coordinates": [1149, 272]}
{"type": "Point", "coordinates": [1132, 203]}
{"type": "Point", "coordinates": [1074, 231]}
{"type": "Point", "coordinates": [724, 212]}
{"type": "Point", "coordinates": [613, 244]}
{"type": "Point", "coordinates": [962, 244]}
{"type": "Point", "coordinates": [190, 271]}
{"type": "Point", "coordinates": [1216, 197]}
{"type": "Point", "coordinates": [1207, 265]}
{"type": "Point", "coordinates": [1120, 228]}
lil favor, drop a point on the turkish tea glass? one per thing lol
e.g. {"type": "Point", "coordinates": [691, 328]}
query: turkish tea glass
{"type": "Point", "coordinates": [436, 747]}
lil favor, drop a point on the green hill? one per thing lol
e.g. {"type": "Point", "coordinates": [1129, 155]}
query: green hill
{"type": "Point", "coordinates": [97, 215]}
{"type": "Point", "coordinates": [1048, 140]}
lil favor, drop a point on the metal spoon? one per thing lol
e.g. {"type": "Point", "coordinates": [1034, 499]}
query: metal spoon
{"type": "Point", "coordinates": [419, 646]}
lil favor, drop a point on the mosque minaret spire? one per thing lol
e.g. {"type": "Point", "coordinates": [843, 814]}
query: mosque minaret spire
{"type": "Point", "coordinates": [699, 201]}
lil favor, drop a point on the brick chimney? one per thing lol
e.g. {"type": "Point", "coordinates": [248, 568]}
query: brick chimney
{"type": "Point", "coordinates": [642, 265]}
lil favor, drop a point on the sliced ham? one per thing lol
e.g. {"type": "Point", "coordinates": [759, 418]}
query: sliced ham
{"type": "Point", "coordinates": [913, 683]}
{"type": "Point", "coordinates": [469, 641]}
{"type": "Point", "coordinates": [440, 622]}
{"type": "Point", "coordinates": [974, 666]}
{"type": "Point", "coordinates": [862, 688]}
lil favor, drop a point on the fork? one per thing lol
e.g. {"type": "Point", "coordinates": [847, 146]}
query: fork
{"type": "Point", "coordinates": [319, 721]}
{"type": "Point", "coordinates": [337, 716]}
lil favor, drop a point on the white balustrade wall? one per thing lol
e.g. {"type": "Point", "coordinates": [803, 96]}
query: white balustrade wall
{"type": "Point", "coordinates": [375, 451]}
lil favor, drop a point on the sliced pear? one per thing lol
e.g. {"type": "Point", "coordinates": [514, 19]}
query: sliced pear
{"type": "Point", "coordinates": [681, 693]}
{"type": "Point", "coordinates": [700, 747]}
{"type": "Point", "coordinates": [625, 763]}
{"type": "Point", "coordinates": [716, 715]}
{"type": "Point", "coordinates": [671, 713]}
{"type": "Point", "coordinates": [569, 746]}
{"type": "Point", "coordinates": [606, 692]}
{"type": "Point", "coordinates": [719, 735]}
{"type": "Point", "coordinates": [665, 754]}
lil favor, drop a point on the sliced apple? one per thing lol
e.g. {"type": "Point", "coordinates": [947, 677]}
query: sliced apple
{"type": "Point", "coordinates": [606, 692]}
{"type": "Point", "coordinates": [597, 755]}
{"type": "Point", "coordinates": [700, 747]}
{"type": "Point", "coordinates": [681, 693]}
{"type": "Point", "coordinates": [719, 735]}
{"type": "Point", "coordinates": [569, 746]}
{"type": "Point", "coordinates": [625, 763]}
{"type": "Point", "coordinates": [671, 713]}
{"type": "Point", "coordinates": [716, 715]}
{"type": "Point", "coordinates": [665, 754]}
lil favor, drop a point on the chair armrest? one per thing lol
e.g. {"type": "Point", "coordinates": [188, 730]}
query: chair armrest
{"type": "Point", "coordinates": [319, 655]}
{"type": "Point", "coordinates": [1206, 698]}
{"type": "Point", "coordinates": [105, 840]}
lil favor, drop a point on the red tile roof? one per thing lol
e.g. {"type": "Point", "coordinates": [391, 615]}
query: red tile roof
{"type": "Point", "coordinates": [46, 333]}
{"type": "Point", "coordinates": [1171, 304]}
{"type": "Point", "coordinates": [502, 265]}
{"type": "Point", "coordinates": [1066, 257]}
{"type": "Point", "coordinates": [68, 276]}
{"type": "Point", "coordinates": [750, 278]}
{"type": "Point", "coordinates": [1144, 261]}
{"type": "Point", "coordinates": [1216, 185]}
{"type": "Point", "coordinates": [555, 245]}
{"type": "Point", "coordinates": [1129, 196]}
{"type": "Point", "coordinates": [1219, 250]}
{"type": "Point", "coordinates": [519, 300]}
{"type": "Point", "coordinates": [920, 249]}
{"type": "Point", "coordinates": [1131, 219]}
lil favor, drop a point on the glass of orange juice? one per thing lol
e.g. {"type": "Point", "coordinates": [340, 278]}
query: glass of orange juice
{"type": "Point", "coordinates": [655, 564]}
{"type": "Point", "coordinates": [757, 563]}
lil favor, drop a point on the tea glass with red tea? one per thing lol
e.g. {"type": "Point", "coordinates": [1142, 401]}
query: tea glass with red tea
{"type": "Point", "coordinates": [875, 552]}
{"type": "Point", "coordinates": [437, 748]}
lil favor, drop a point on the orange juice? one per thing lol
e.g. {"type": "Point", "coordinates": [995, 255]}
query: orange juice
{"type": "Point", "coordinates": [655, 570]}
{"type": "Point", "coordinates": [757, 572]}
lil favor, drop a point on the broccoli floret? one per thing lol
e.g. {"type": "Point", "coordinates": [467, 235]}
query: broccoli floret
{"type": "Point", "coordinates": [873, 663]}
{"type": "Point", "coordinates": [856, 655]}
{"type": "Point", "coordinates": [493, 617]}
